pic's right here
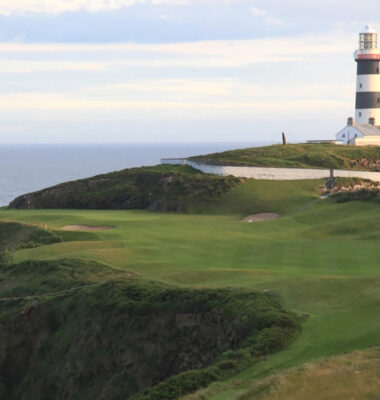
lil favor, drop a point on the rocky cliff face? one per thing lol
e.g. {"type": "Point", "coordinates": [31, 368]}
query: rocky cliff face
{"type": "Point", "coordinates": [367, 164]}
{"type": "Point", "coordinates": [49, 354]}
{"type": "Point", "coordinates": [164, 188]}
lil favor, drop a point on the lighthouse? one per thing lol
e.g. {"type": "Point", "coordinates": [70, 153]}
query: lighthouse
{"type": "Point", "coordinates": [364, 130]}
{"type": "Point", "coordinates": [367, 57]}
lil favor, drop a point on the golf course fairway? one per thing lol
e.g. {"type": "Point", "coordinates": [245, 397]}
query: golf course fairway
{"type": "Point", "coordinates": [321, 257]}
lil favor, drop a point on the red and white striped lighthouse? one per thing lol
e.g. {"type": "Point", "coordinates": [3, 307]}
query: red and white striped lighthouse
{"type": "Point", "coordinates": [368, 78]}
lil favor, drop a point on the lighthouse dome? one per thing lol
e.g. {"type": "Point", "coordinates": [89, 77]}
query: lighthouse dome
{"type": "Point", "coordinates": [369, 29]}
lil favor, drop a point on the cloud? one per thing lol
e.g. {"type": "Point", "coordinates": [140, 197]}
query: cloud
{"type": "Point", "coordinates": [17, 66]}
{"type": "Point", "coordinates": [212, 95]}
{"type": "Point", "coordinates": [56, 7]}
{"type": "Point", "coordinates": [213, 88]}
{"type": "Point", "coordinates": [268, 18]}
{"type": "Point", "coordinates": [179, 83]}
{"type": "Point", "coordinates": [205, 53]}
{"type": "Point", "coordinates": [59, 102]}
{"type": "Point", "coordinates": [257, 12]}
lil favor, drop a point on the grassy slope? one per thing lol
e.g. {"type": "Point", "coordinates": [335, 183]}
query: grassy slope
{"type": "Point", "coordinates": [162, 187]}
{"type": "Point", "coordinates": [351, 376]}
{"type": "Point", "coordinates": [255, 196]}
{"type": "Point", "coordinates": [302, 156]}
{"type": "Point", "coordinates": [160, 330]}
{"type": "Point", "coordinates": [322, 258]}
{"type": "Point", "coordinates": [13, 235]}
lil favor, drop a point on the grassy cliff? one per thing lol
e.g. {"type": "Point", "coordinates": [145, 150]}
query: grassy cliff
{"type": "Point", "coordinates": [164, 187]}
{"type": "Point", "coordinates": [354, 375]}
{"type": "Point", "coordinates": [301, 156]}
{"type": "Point", "coordinates": [74, 329]}
{"type": "Point", "coordinates": [84, 318]}
{"type": "Point", "coordinates": [174, 188]}
{"type": "Point", "coordinates": [321, 259]}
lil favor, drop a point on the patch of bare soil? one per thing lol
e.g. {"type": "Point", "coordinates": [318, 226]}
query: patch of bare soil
{"type": "Point", "coordinates": [260, 217]}
{"type": "Point", "coordinates": [86, 228]}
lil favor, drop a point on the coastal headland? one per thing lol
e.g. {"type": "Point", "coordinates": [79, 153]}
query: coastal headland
{"type": "Point", "coordinates": [241, 310]}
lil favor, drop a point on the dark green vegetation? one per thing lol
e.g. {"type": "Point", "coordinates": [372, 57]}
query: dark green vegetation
{"type": "Point", "coordinates": [174, 188]}
{"type": "Point", "coordinates": [358, 195]}
{"type": "Point", "coordinates": [320, 258]}
{"type": "Point", "coordinates": [164, 188]}
{"type": "Point", "coordinates": [18, 236]}
{"type": "Point", "coordinates": [73, 329]}
{"type": "Point", "coordinates": [350, 376]}
{"type": "Point", "coordinates": [302, 156]}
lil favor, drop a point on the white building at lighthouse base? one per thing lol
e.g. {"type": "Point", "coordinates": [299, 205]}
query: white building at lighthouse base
{"type": "Point", "coordinates": [359, 134]}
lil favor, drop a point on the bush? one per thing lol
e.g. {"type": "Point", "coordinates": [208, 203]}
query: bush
{"type": "Point", "coordinates": [178, 385]}
{"type": "Point", "coordinates": [358, 195]}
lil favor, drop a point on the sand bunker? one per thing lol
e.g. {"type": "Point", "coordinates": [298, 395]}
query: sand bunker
{"type": "Point", "coordinates": [260, 217]}
{"type": "Point", "coordinates": [86, 228]}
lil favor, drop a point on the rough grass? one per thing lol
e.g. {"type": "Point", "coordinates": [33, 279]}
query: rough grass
{"type": "Point", "coordinates": [77, 329]}
{"type": "Point", "coordinates": [17, 236]}
{"type": "Point", "coordinates": [302, 156]}
{"type": "Point", "coordinates": [163, 187]}
{"type": "Point", "coordinates": [352, 376]}
{"type": "Point", "coordinates": [321, 257]}
{"type": "Point", "coordinates": [257, 196]}
{"type": "Point", "coordinates": [37, 278]}
{"type": "Point", "coordinates": [358, 195]}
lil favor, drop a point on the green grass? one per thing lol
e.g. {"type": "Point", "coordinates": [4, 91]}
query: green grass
{"type": "Point", "coordinates": [320, 256]}
{"type": "Point", "coordinates": [255, 196]}
{"type": "Point", "coordinates": [162, 187]}
{"type": "Point", "coordinates": [161, 331]}
{"type": "Point", "coordinates": [16, 236]}
{"type": "Point", "coordinates": [302, 156]}
{"type": "Point", "coordinates": [352, 376]}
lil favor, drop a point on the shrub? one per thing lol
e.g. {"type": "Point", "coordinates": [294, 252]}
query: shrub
{"type": "Point", "coordinates": [358, 195]}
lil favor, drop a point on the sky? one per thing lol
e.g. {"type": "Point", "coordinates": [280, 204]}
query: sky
{"type": "Point", "coordinates": [177, 70]}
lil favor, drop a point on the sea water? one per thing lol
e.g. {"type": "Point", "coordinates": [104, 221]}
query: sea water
{"type": "Point", "coordinates": [26, 168]}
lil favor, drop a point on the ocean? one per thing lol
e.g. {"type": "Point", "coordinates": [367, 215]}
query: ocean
{"type": "Point", "coordinates": [25, 168]}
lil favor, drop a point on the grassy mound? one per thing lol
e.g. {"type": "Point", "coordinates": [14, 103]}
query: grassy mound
{"type": "Point", "coordinates": [14, 236]}
{"type": "Point", "coordinates": [19, 236]}
{"type": "Point", "coordinates": [77, 330]}
{"type": "Point", "coordinates": [37, 278]}
{"type": "Point", "coordinates": [164, 187]}
{"type": "Point", "coordinates": [301, 156]}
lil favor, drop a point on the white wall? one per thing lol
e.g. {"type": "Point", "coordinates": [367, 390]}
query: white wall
{"type": "Point", "coordinates": [277, 174]}
{"type": "Point", "coordinates": [262, 172]}
{"type": "Point", "coordinates": [373, 176]}
{"type": "Point", "coordinates": [368, 140]}
{"type": "Point", "coordinates": [348, 134]}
